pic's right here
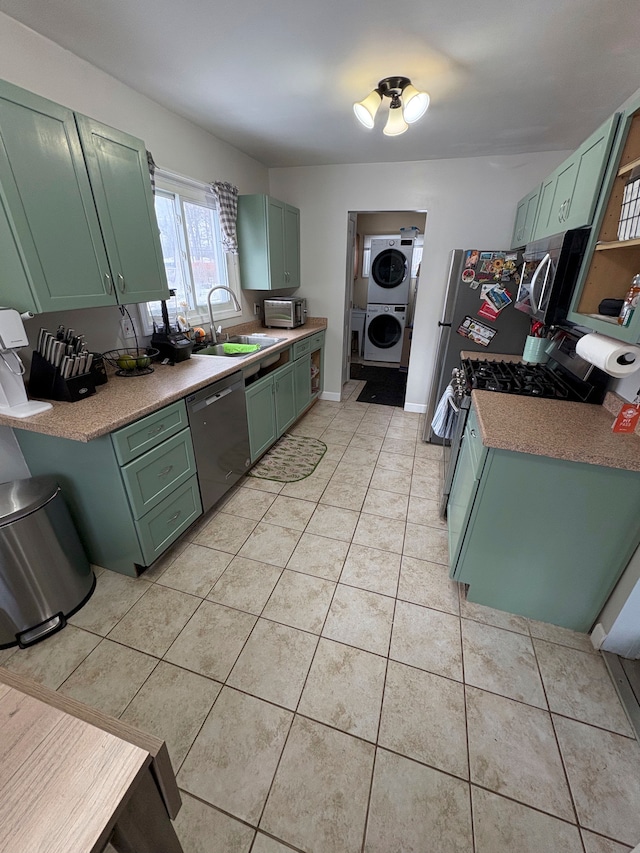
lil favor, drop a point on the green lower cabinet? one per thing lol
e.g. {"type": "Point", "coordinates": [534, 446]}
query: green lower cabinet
{"type": "Point", "coordinates": [302, 382]}
{"type": "Point", "coordinates": [285, 397]}
{"type": "Point", "coordinates": [261, 415]}
{"type": "Point", "coordinates": [126, 515]}
{"type": "Point", "coordinates": [544, 538]}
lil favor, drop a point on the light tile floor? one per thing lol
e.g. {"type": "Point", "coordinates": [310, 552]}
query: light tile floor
{"type": "Point", "coordinates": [323, 686]}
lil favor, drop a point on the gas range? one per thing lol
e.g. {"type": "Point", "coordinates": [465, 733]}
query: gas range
{"type": "Point", "coordinates": [565, 376]}
{"type": "Point", "coordinates": [513, 377]}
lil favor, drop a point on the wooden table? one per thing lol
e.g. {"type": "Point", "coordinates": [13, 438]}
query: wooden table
{"type": "Point", "coordinates": [72, 778]}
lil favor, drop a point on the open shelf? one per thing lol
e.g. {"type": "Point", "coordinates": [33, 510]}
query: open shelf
{"type": "Point", "coordinates": [617, 244]}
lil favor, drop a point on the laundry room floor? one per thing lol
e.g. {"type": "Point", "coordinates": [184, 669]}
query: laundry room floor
{"type": "Point", "coordinates": [324, 687]}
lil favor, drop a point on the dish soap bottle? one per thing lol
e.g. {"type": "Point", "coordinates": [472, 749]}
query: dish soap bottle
{"type": "Point", "coordinates": [630, 303]}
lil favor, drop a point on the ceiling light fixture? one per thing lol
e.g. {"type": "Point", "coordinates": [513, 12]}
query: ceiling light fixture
{"type": "Point", "coordinates": [407, 105]}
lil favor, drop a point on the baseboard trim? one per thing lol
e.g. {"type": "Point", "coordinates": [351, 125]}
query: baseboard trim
{"type": "Point", "coordinates": [420, 408]}
{"type": "Point", "coordinates": [330, 395]}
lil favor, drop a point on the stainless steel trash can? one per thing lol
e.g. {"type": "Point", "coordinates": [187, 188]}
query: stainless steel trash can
{"type": "Point", "coordinates": [44, 573]}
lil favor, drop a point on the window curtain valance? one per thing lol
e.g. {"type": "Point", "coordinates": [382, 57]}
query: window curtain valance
{"type": "Point", "coordinates": [152, 171]}
{"type": "Point", "coordinates": [226, 196]}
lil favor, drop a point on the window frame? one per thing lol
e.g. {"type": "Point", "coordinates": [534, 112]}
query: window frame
{"type": "Point", "coordinates": [182, 189]}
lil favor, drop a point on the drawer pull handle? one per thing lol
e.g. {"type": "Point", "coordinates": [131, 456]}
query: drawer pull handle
{"type": "Point", "coordinates": [165, 471]}
{"type": "Point", "coordinates": [472, 433]}
{"type": "Point", "coordinates": [173, 517]}
{"type": "Point", "coordinates": [156, 430]}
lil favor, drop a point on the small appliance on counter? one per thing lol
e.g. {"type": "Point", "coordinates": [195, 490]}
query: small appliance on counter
{"type": "Point", "coordinates": [171, 343]}
{"type": "Point", "coordinates": [13, 395]}
{"type": "Point", "coordinates": [285, 312]}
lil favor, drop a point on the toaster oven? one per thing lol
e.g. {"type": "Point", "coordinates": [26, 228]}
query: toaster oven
{"type": "Point", "coordinates": [285, 313]}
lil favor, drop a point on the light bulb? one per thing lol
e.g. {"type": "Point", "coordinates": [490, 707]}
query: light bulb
{"type": "Point", "coordinates": [366, 110]}
{"type": "Point", "coordinates": [415, 103]}
{"type": "Point", "coordinates": [395, 123]}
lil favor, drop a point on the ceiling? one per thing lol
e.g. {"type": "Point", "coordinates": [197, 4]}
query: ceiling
{"type": "Point", "coordinates": [277, 79]}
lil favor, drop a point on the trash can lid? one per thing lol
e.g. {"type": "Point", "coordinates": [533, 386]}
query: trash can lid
{"type": "Point", "coordinates": [22, 497]}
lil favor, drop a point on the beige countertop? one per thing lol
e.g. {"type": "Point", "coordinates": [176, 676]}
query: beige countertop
{"type": "Point", "coordinates": [578, 432]}
{"type": "Point", "coordinates": [125, 399]}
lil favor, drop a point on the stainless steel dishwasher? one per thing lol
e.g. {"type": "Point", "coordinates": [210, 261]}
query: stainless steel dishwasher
{"type": "Point", "coordinates": [220, 434]}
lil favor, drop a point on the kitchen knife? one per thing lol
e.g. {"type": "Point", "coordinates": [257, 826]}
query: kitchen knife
{"type": "Point", "coordinates": [41, 337]}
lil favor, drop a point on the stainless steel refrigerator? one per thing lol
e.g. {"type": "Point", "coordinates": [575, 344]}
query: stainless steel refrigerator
{"type": "Point", "coordinates": [470, 318]}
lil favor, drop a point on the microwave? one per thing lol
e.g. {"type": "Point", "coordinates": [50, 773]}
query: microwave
{"type": "Point", "coordinates": [549, 275]}
{"type": "Point", "coordinates": [285, 313]}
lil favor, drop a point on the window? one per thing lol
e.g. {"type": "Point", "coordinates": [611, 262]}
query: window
{"type": "Point", "coordinates": [366, 252]}
{"type": "Point", "coordinates": [193, 254]}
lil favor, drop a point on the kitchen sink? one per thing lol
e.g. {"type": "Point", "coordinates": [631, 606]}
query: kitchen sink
{"type": "Point", "coordinates": [262, 341]}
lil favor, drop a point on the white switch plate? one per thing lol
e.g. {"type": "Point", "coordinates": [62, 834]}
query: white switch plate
{"type": "Point", "coordinates": [126, 327]}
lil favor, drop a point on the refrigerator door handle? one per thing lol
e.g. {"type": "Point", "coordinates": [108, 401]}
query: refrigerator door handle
{"type": "Point", "coordinates": [444, 324]}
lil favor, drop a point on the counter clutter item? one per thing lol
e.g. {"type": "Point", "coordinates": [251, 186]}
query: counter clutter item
{"type": "Point", "coordinates": [132, 361]}
{"type": "Point", "coordinates": [615, 357]}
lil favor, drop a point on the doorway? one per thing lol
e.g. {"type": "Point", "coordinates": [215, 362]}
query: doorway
{"type": "Point", "coordinates": [383, 263]}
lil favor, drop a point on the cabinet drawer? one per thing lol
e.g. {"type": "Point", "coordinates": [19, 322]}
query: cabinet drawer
{"type": "Point", "coordinates": [153, 476]}
{"type": "Point", "coordinates": [136, 438]}
{"type": "Point", "coordinates": [163, 524]}
{"type": "Point", "coordinates": [316, 341]}
{"type": "Point", "coordinates": [301, 348]}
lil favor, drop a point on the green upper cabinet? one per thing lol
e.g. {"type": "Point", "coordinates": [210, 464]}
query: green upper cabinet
{"type": "Point", "coordinates": [57, 225]}
{"type": "Point", "coordinates": [525, 219]}
{"type": "Point", "coordinates": [613, 254]}
{"type": "Point", "coordinates": [268, 243]}
{"type": "Point", "coordinates": [119, 175]}
{"type": "Point", "coordinates": [568, 197]}
{"type": "Point", "coordinates": [49, 208]}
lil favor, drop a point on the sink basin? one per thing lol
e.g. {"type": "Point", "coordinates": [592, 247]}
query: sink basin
{"type": "Point", "coordinates": [262, 341]}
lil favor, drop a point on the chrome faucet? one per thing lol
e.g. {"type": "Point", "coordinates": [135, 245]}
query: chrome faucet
{"type": "Point", "coordinates": [236, 305]}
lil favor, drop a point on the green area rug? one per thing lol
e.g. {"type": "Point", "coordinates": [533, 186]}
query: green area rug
{"type": "Point", "coordinates": [291, 458]}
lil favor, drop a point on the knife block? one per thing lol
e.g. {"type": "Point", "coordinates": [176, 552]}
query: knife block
{"type": "Point", "coordinates": [46, 382]}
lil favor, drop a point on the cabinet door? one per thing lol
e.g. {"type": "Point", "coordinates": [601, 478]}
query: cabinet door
{"type": "Point", "coordinates": [302, 381]}
{"type": "Point", "coordinates": [562, 197]}
{"type": "Point", "coordinates": [261, 415]}
{"type": "Point", "coordinates": [119, 174]}
{"type": "Point", "coordinates": [518, 226]}
{"type": "Point", "coordinates": [525, 219]}
{"type": "Point", "coordinates": [47, 195]}
{"type": "Point", "coordinates": [463, 492]}
{"type": "Point", "coordinates": [275, 228]}
{"type": "Point", "coordinates": [291, 246]}
{"type": "Point", "coordinates": [285, 398]}
{"type": "Point", "coordinates": [544, 207]}
{"type": "Point", "coordinates": [591, 161]}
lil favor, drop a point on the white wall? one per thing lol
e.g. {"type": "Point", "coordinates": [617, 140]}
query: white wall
{"type": "Point", "coordinates": [37, 64]}
{"type": "Point", "coordinates": [469, 203]}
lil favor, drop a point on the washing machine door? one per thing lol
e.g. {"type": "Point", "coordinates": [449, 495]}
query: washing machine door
{"type": "Point", "coordinates": [385, 330]}
{"type": "Point", "coordinates": [390, 268]}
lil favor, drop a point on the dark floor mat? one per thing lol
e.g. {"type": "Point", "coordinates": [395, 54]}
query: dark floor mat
{"type": "Point", "coordinates": [385, 386]}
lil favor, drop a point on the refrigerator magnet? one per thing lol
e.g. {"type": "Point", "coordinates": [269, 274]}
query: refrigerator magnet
{"type": "Point", "coordinates": [476, 331]}
{"type": "Point", "coordinates": [471, 259]}
{"type": "Point", "coordinates": [469, 277]}
{"type": "Point", "coordinates": [488, 312]}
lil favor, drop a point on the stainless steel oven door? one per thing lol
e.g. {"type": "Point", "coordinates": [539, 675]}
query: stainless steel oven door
{"type": "Point", "coordinates": [456, 441]}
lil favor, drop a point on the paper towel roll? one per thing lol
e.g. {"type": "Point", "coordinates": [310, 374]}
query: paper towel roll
{"type": "Point", "coordinates": [614, 357]}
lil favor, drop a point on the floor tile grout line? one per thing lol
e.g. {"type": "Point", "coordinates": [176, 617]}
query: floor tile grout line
{"type": "Point", "coordinates": [466, 729]}
{"type": "Point", "coordinates": [557, 742]}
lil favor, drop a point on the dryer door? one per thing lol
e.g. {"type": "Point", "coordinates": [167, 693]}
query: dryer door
{"type": "Point", "coordinates": [390, 268]}
{"type": "Point", "coordinates": [384, 331]}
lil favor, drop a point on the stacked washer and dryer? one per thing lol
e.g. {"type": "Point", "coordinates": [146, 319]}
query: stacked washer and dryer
{"type": "Point", "coordinates": [387, 298]}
